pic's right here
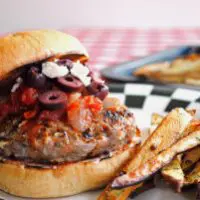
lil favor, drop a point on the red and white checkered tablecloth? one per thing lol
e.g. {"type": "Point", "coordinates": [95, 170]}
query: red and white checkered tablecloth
{"type": "Point", "coordinates": [111, 46]}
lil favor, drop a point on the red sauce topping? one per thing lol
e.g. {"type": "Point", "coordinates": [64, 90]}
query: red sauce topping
{"type": "Point", "coordinates": [90, 102]}
{"type": "Point", "coordinates": [30, 114]}
{"type": "Point", "coordinates": [93, 103]}
{"type": "Point", "coordinates": [51, 115]}
{"type": "Point", "coordinates": [29, 96]}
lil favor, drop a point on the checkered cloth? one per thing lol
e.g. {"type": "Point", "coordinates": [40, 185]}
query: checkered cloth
{"type": "Point", "coordinates": [155, 98]}
{"type": "Point", "coordinates": [111, 46]}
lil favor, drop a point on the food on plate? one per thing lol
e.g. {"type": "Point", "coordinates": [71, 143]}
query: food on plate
{"type": "Point", "coordinates": [147, 185]}
{"type": "Point", "coordinates": [181, 70]}
{"type": "Point", "coordinates": [193, 176]}
{"type": "Point", "coordinates": [162, 159]}
{"type": "Point", "coordinates": [173, 173]}
{"type": "Point", "coordinates": [177, 173]}
{"type": "Point", "coordinates": [155, 121]}
{"type": "Point", "coordinates": [190, 158]}
{"type": "Point", "coordinates": [173, 127]}
{"type": "Point", "coordinates": [60, 134]}
{"type": "Point", "coordinates": [122, 194]}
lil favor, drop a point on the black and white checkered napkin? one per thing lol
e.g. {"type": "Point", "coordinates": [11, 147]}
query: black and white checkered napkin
{"type": "Point", "coordinates": [153, 98]}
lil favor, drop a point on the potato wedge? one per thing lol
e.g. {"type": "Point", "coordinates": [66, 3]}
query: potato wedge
{"type": "Point", "coordinates": [172, 128]}
{"type": "Point", "coordinates": [181, 70]}
{"type": "Point", "coordinates": [169, 131]}
{"type": "Point", "coordinates": [173, 173]}
{"type": "Point", "coordinates": [192, 81]}
{"type": "Point", "coordinates": [183, 65]}
{"type": "Point", "coordinates": [147, 169]}
{"type": "Point", "coordinates": [150, 184]}
{"type": "Point", "coordinates": [190, 158]}
{"type": "Point", "coordinates": [194, 176]}
{"type": "Point", "coordinates": [123, 194]}
{"type": "Point", "coordinates": [147, 70]}
{"type": "Point", "coordinates": [155, 121]}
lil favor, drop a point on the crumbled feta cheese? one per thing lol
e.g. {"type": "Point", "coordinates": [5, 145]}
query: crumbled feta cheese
{"type": "Point", "coordinates": [81, 72]}
{"type": "Point", "coordinates": [86, 80]}
{"type": "Point", "coordinates": [53, 70]}
{"type": "Point", "coordinates": [19, 80]}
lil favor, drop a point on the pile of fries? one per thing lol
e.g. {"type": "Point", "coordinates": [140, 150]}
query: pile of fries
{"type": "Point", "coordinates": [172, 150]}
{"type": "Point", "coordinates": [181, 70]}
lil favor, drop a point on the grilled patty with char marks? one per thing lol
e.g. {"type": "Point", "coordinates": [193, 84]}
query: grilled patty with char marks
{"type": "Point", "coordinates": [55, 141]}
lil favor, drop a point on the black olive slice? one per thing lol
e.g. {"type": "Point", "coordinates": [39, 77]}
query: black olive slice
{"type": "Point", "coordinates": [98, 89]}
{"type": "Point", "coordinates": [35, 78]}
{"type": "Point", "coordinates": [69, 83]}
{"type": "Point", "coordinates": [53, 100]}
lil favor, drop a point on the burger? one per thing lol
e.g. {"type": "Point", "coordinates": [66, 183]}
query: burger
{"type": "Point", "coordinates": [60, 134]}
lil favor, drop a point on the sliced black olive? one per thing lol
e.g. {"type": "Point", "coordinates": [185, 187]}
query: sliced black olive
{"type": "Point", "coordinates": [98, 89]}
{"type": "Point", "coordinates": [35, 78]}
{"type": "Point", "coordinates": [53, 100]}
{"type": "Point", "coordinates": [69, 83]}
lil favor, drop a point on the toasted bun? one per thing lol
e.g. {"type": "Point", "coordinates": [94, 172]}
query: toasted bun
{"type": "Point", "coordinates": [24, 48]}
{"type": "Point", "coordinates": [64, 180]}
